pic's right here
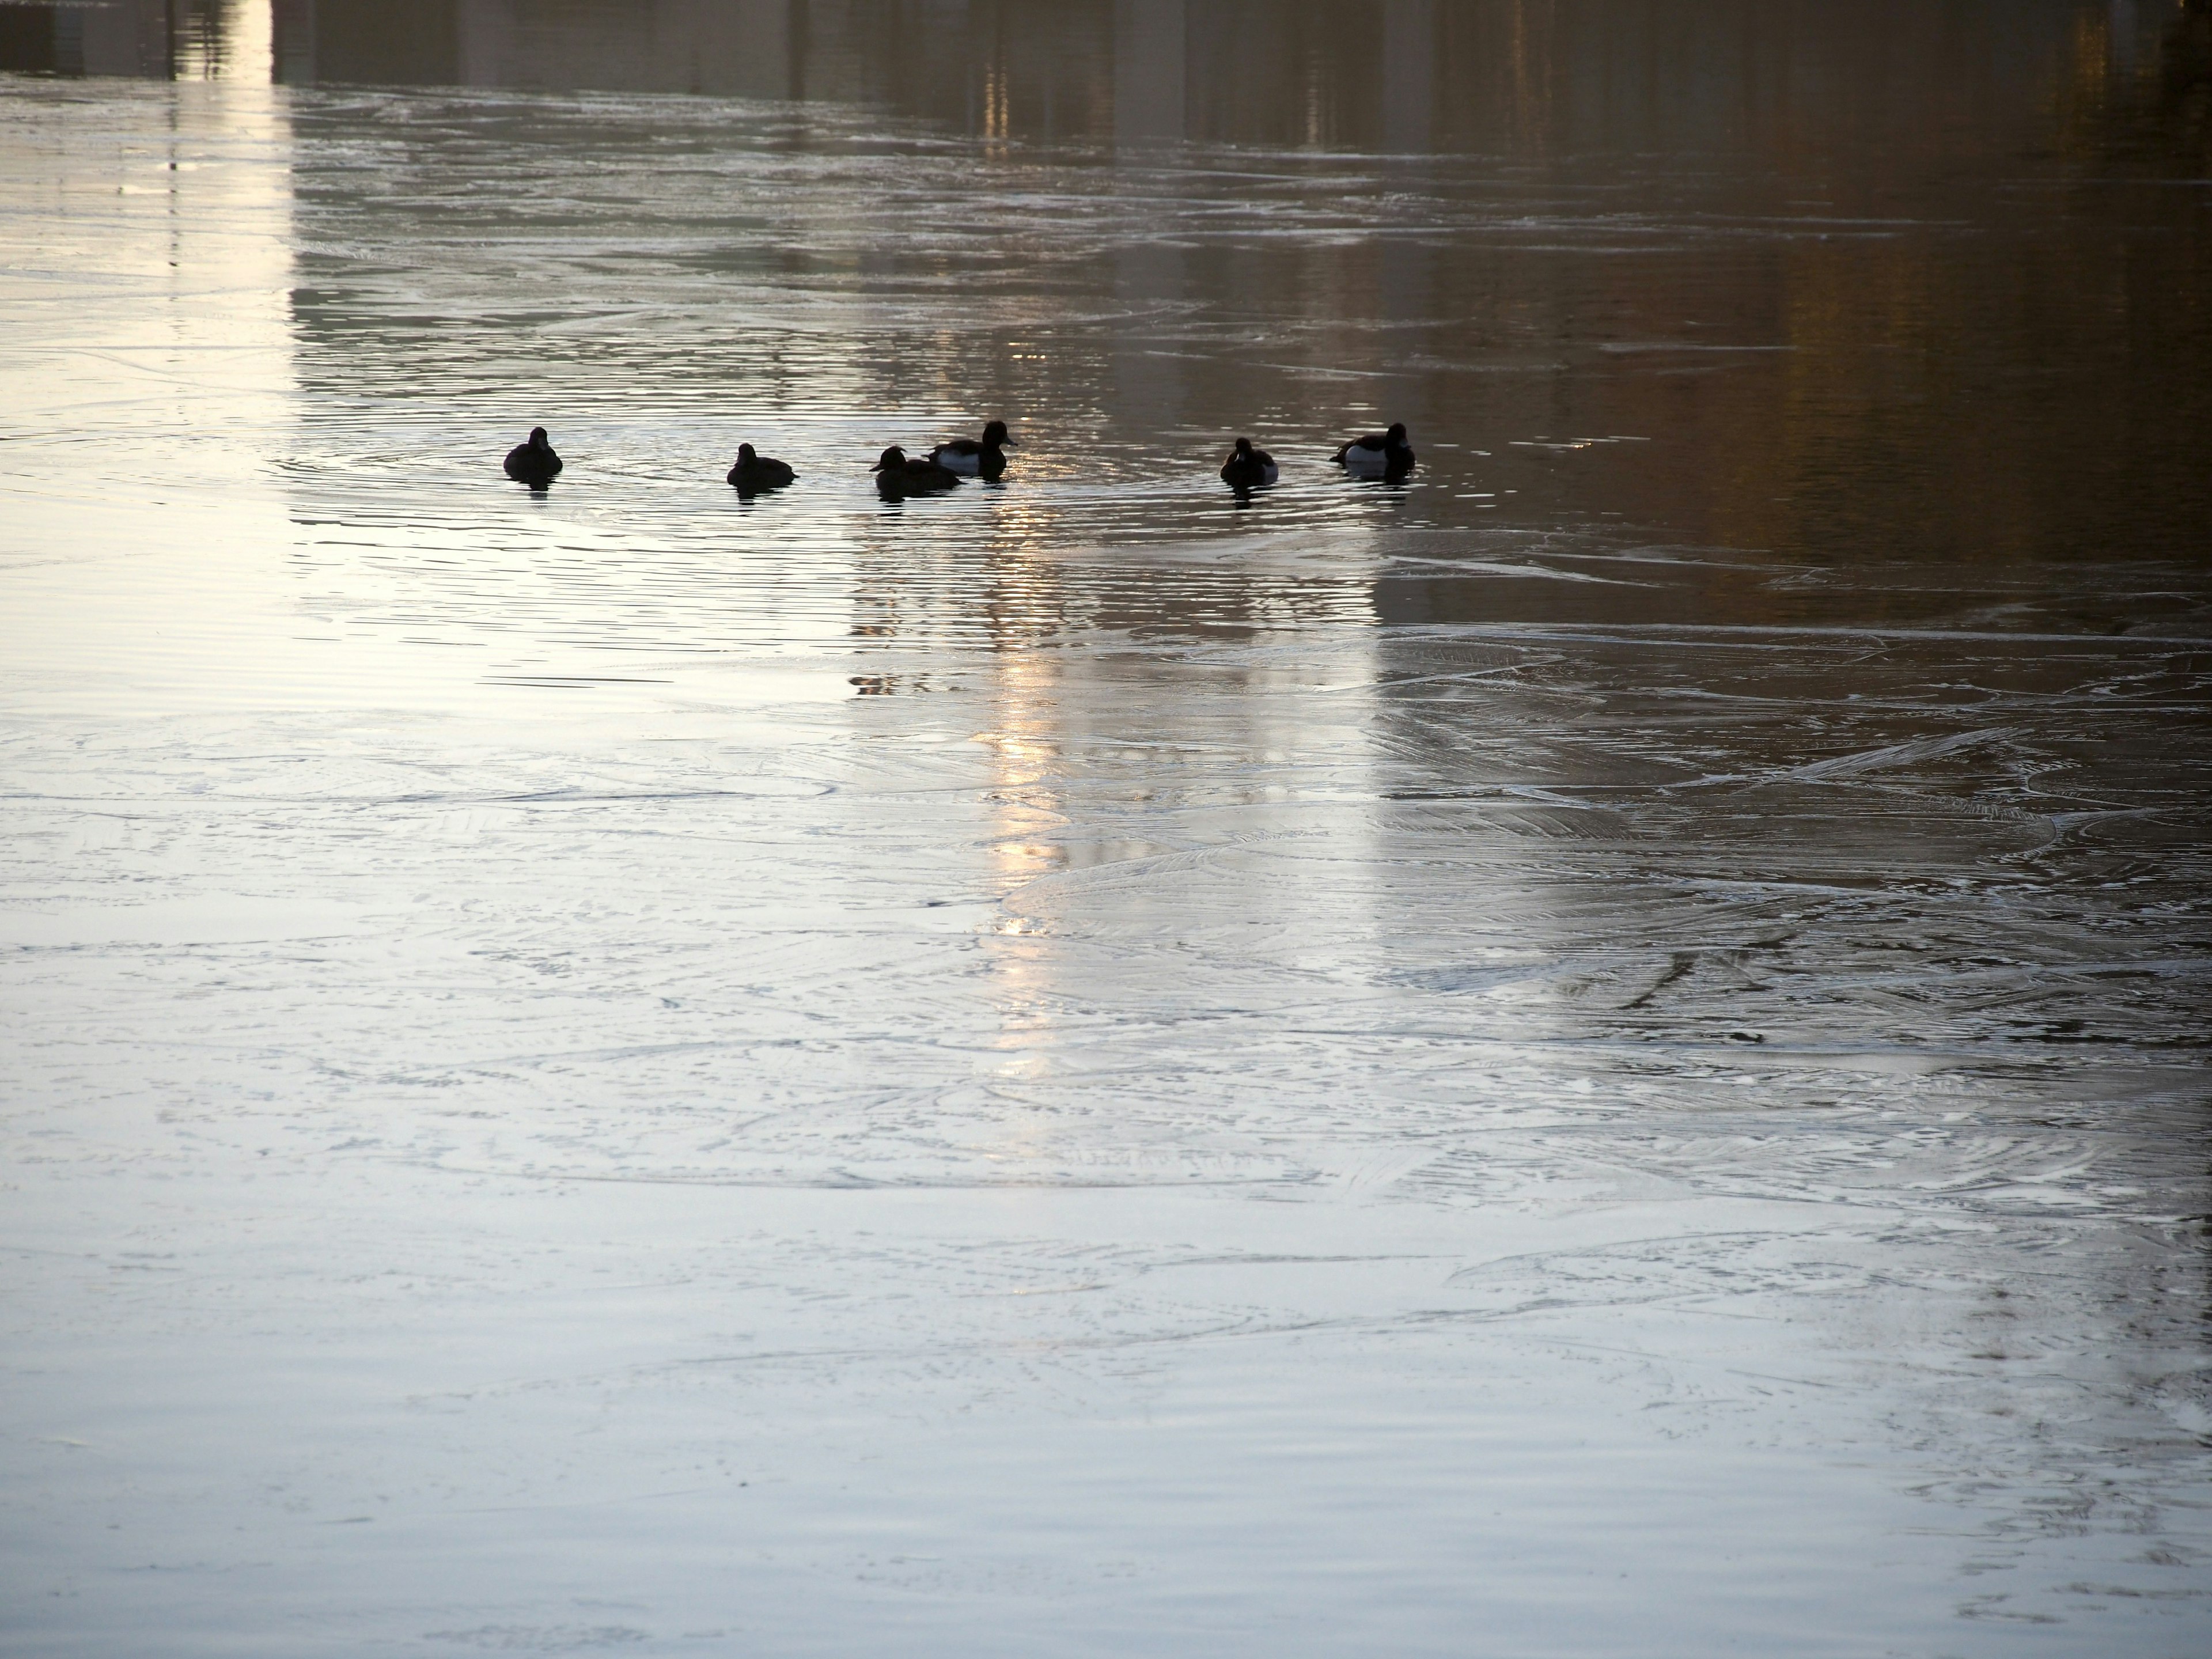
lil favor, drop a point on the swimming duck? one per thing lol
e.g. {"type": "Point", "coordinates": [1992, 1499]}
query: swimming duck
{"type": "Point", "coordinates": [1249, 467]}
{"type": "Point", "coordinates": [975, 459]}
{"type": "Point", "coordinates": [756, 472]}
{"type": "Point", "coordinates": [534, 463]}
{"type": "Point", "coordinates": [1378, 455]}
{"type": "Point", "coordinates": [901, 474]}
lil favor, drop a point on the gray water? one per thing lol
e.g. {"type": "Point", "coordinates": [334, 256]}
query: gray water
{"type": "Point", "coordinates": [1599, 1052]}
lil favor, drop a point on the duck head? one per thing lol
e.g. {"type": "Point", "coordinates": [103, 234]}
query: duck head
{"type": "Point", "coordinates": [1243, 447]}
{"type": "Point", "coordinates": [996, 436]}
{"type": "Point", "coordinates": [894, 460]}
{"type": "Point", "coordinates": [537, 439]}
{"type": "Point", "coordinates": [744, 453]}
{"type": "Point", "coordinates": [1396, 435]}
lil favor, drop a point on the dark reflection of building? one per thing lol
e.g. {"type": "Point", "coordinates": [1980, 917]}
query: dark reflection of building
{"type": "Point", "coordinates": [990, 68]}
{"type": "Point", "coordinates": [142, 38]}
{"type": "Point", "coordinates": [1544, 75]}
{"type": "Point", "coordinates": [2030, 388]}
{"type": "Point", "coordinates": [2123, 103]}
{"type": "Point", "coordinates": [1779, 76]}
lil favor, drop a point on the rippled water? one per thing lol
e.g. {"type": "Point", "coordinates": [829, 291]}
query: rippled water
{"type": "Point", "coordinates": [1598, 1052]}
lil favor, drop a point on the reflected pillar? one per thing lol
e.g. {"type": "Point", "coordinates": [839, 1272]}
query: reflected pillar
{"type": "Point", "coordinates": [763, 48]}
{"type": "Point", "coordinates": [135, 38]}
{"type": "Point", "coordinates": [132, 38]}
{"type": "Point", "coordinates": [1406, 268]}
{"type": "Point", "coordinates": [1149, 68]}
{"type": "Point", "coordinates": [1409, 45]}
{"type": "Point", "coordinates": [292, 53]}
{"type": "Point", "coordinates": [388, 42]}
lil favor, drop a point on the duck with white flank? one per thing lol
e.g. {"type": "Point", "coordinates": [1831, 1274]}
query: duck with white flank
{"type": "Point", "coordinates": [1378, 455]}
{"type": "Point", "coordinates": [755, 472]}
{"type": "Point", "coordinates": [534, 463]}
{"type": "Point", "coordinates": [974, 458]}
{"type": "Point", "coordinates": [901, 474]}
{"type": "Point", "coordinates": [1248, 468]}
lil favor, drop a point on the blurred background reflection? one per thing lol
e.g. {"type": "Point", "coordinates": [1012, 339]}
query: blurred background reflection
{"type": "Point", "coordinates": [1912, 276]}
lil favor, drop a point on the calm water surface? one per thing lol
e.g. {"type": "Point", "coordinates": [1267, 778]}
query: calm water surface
{"type": "Point", "coordinates": [1600, 1053]}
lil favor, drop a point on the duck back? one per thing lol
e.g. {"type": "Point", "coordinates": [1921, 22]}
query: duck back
{"type": "Point", "coordinates": [756, 472]}
{"type": "Point", "coordinates": [901, 474]}
{"type": "Point", "coordinates": [972, 458]}
{"type": "Point", "coordinates": [533, 463]}
{"type": "Point", "coordinates": [1248, 468]}
{"type": "Point", "coordinates": [1378, 455]}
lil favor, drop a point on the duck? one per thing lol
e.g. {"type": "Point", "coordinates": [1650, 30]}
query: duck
{"type": "Point", "coordinates": [1378, 455]}
{"type": "Point", "coordinates": [975, 459]}
{"type": "Point", "coordinates": [901, 474]}
{"type": "Point", "coordinates": [756, 471]}
{"type": "Point", "coordinates": [1248, 467]}
{"type": "Point", "coordinates": [534, 463]}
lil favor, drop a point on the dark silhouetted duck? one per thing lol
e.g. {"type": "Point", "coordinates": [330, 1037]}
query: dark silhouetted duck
{"type": "Point", "coordinates": [901, 474]}
{"type": "Point", "coordinates": [977, 460]}
{"type": "Point", "coordinates": [1378, 455]}
{"type": "Point", "coordinates": [534, 463]}
{"type": "Point", "coordinates": [756, 472]}
{"type": "Point", "coordinates": [1248, 467]}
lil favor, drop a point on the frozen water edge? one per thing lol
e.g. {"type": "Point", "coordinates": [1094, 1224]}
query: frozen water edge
{"type": "Point", "coordinates": [874, 1185]}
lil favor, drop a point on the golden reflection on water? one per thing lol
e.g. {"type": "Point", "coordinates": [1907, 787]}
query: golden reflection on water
{"type": "Point", "coordinates": [1024, 741]}
{"type": "Point", "coordinates": [1890, 278]}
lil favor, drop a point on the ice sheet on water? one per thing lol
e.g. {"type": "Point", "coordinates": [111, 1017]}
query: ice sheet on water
{"type": "Point", "coordinates": [1082, 1068]}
